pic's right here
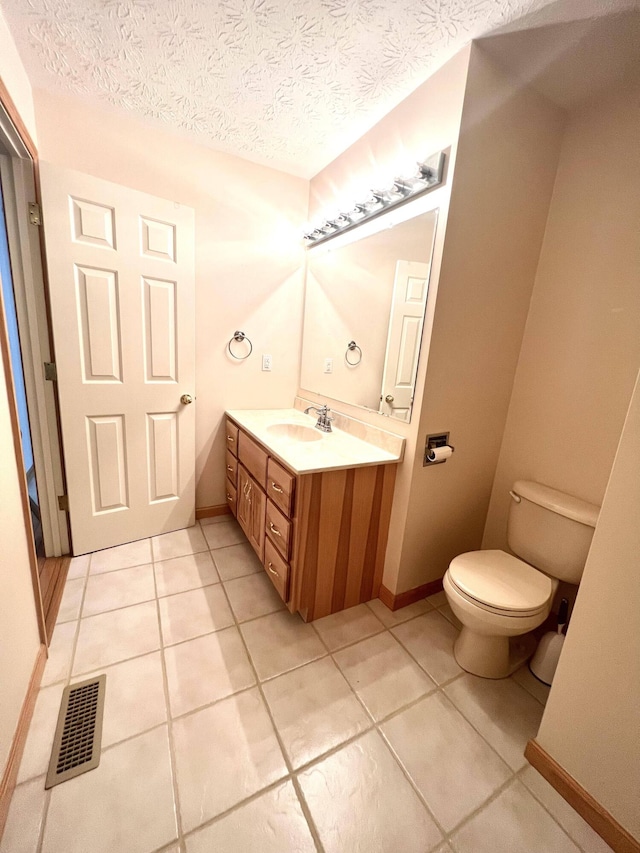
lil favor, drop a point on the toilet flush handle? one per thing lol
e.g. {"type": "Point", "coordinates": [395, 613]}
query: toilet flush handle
{"type": "Point", "coordinates": [516, 497]}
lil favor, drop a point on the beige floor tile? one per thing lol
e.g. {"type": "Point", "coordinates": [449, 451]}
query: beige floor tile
{"type": "Point", "coordinates": [348, 626]}
{"type": "Point", "coordinates": [237, 561]}
{"type": "Point", "coordinates": [120, 634]}
{"type": "Point", "coordinates": [185, 573]}
{"type": "Point", "coordinates": [448, 614]}
{"type": "Point", "coordinates": [569, 819]}
{"type": "Point", "coordinates": [134, 697]}
{"type": "Point", "coordinates": [78, 567]}
{"type": "Point", "coordinates": [121, 557]}
{"type": "Point", "coordinates": [193, 613]}
{"type": "Point", "coordinates": [113, 590]}
{"type": "Point", "coordinates": [438, 599]}
{"type": "Point", "coordinates": [179, 543]}
{"type": "Point", "coordinates": [37, 750]}
{"type": "Point", "coordinates": [71, 600]}
{"type": "Point", "coordinates": [224, 754]}
{"type": "Point", "coordinates": [453, 767]}
{"type": "Point", "coordinates": [126, 803]}
{"type": "Point", "coordinates": [505, 715]}
{"type": "Point", "coordinates": [389, 618]}
{"type": "Point", "coordinates": [430, 640]}
{"type": "Point", "coordinates": [513, 821]}
{"type": "Point", "coordinates": [58, 663]}
{"type": "Point", "coordinates": [314, 710]}
{"type": "Point", "coordinates": [22, 829]}
{"type": "Point", "coordinates": [360, 801]}
{"type": "Point", "coordinates": [383, 675]}
{"type": "Point", "coordinates": [272, 823]}
{"type": "Point", "coordinates": [206, 669]}
{"type": "Point", "coordinates": [216, 519]}
{"type": "Point", "coordinates": [253, 596]}
{"type": "Point", "coordinates": [531, 684]}
{"type": "Point", "coordinates": [279, 642]}
{"type": "Point", "coordinates": [224, 534]}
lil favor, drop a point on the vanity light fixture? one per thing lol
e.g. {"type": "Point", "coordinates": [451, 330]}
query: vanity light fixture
{"type": "Point", "coordinates": [429, 174]}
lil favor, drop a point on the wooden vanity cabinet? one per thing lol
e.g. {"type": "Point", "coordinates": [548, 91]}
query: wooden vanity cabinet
{"type": "Point", "coordinates": [320, 537]}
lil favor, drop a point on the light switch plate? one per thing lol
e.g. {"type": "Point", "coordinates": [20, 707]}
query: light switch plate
{"type": "Point", "coordinates": [266, 362]}
{"type": "Point", "coordinates": [328, 365]}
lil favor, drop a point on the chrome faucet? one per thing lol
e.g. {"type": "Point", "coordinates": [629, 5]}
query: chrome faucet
{"type": "Point", "coordinates": [324, 419]}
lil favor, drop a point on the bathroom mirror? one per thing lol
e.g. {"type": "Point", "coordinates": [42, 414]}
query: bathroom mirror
{"type": "Point", "coordinates": [364, 313]}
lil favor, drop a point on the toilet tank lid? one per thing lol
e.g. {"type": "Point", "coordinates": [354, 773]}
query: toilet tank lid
{"type": "Point", "coordinates": [558, 502]}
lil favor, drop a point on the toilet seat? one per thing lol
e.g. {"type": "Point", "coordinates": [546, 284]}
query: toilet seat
{"type": "Point", "coordinates": [500, 583]}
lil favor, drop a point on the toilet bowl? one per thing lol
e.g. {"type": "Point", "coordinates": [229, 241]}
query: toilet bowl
{"type": "Point", "coordinates": [495, 596]}
{"type": "Point", "coordinates": [500, 598]}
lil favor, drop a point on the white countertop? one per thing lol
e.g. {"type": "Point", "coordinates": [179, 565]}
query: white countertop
{"type": "Point", "coordinates": [329, 452]}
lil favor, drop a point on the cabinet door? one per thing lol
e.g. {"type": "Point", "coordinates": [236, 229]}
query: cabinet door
{"type": "Point", "coordinates": [258, 514]}
{"type": "Point", "coordinates": [243, 505]}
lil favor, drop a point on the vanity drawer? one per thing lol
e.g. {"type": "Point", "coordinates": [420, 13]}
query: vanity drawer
{"type": "Point", "coordinates": [278, 529]}
{"type": "Point", "coordinates": [231, 496]}
{"type": "Point", "coordinates": [232, 437]}
{"type": "Point", "coordinates": [232, 467]}
{"type": "Point", "coordinates": [253, 458]}
{"type": "Point", "coordinates": [277, 569]}
{"type": "Point", "coordinates": [280, 487]}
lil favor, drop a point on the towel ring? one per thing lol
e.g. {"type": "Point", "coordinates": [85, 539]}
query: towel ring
{"type": "Point", "coordinates": [239, 336]}
{"type": "Point", "coordinates": [351, 347]}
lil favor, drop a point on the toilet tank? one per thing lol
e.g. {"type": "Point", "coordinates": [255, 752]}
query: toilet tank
{"type": "Point", "coordinates": [550, 530]}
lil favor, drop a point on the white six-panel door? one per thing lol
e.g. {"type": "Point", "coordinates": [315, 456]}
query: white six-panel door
{"type": "Point", "coordinates": [410, 290]}
{"type": "Point", "coordinates": [121, 279]}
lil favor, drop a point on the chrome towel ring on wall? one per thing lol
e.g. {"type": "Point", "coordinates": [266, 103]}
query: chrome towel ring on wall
{"type": "Point", "coordinates": [352, 347]}
{"type": "Point", "coordinates": [239, 337]}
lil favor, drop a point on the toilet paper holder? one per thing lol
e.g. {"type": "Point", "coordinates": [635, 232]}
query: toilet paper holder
{"type": "Point", "coordinates": [434, 442]}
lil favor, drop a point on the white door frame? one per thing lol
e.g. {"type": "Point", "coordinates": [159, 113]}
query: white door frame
{"type": "Point", "coordinates": [17, 170]}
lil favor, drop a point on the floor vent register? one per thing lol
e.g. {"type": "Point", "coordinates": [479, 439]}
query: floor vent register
{"type": "Point", "coordinates": [76, 746]}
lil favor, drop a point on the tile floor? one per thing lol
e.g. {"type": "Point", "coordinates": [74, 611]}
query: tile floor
{"type": "Point", "coordinates": [232, 726]}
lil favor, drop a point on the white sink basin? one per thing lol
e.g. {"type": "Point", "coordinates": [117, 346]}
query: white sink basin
{"type": "Point", "coordinates": [294, 432]}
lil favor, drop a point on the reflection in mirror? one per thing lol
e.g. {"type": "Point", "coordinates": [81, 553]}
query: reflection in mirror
{"type": "Point", "coordinates": [364, 313]}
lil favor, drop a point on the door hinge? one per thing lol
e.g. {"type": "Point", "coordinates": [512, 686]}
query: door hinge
{"type": "Point", "coordinates": [50, 371]}
{"type": "Point", "coordinates": [35, 214]}
{"type": "Point", "coordinates": [63, 503]}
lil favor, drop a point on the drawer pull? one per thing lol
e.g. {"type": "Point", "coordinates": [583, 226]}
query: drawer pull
{"type": "Point", "coordinates": [229, 468]}
{"type": "Point", "coordinates": [274, 529]}
{"type": "Point", "coordinates": [276, 488]}
{"type": "Point", "coordinates": [229, 498]}
{"type": "Point", "coordinates": [230, 438]}
{"type": "Point", "coordinates": [271, 569]}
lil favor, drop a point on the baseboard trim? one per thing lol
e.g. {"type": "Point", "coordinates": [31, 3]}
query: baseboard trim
{"type": "Point", "coordinates": [581, 800]}
{"type": "Point", "coordinates": [8, 783]}
{"type": "Point", "coordinates": [212, 511]}
{"type": "Point", "coordinates": [59, 568]}
{"type": "Point", "coordinates": [402, 599]}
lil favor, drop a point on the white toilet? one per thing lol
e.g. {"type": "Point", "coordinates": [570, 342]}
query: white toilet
{"type": "Point", "coordinates": [497, 596]}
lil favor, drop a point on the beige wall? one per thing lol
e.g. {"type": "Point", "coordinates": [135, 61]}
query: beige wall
{"type": "Point", "coordinates": [581, 347]}
{"type": "Point", "coordinates": [249, 257]}
{"type": "Point", "coordinates": [507, 155]}
{"type": "Point", "coordinates": [591, 724]}
{"type": "Point", "coordinates": [14, 77]}
{"type": "Point", "coordinates": [19, 637]}
{"type": "Point", "coordinates": [427, 121]}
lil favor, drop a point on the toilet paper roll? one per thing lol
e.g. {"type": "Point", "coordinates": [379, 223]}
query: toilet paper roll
{"type": "Point", "coordinates": [439, 454]}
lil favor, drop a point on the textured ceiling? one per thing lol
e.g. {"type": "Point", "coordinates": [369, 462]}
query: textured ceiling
{"type": "Point", "coordinates": [286, 82]}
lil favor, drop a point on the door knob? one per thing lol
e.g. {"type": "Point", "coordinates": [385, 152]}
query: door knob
{"type": "Point", "coordinates": [186, 399]}
{"type": "Point", "coordinates": [389, 398]}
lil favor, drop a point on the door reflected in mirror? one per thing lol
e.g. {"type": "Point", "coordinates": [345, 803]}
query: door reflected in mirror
{"type": "Point", "coordinates": [364, 313]}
